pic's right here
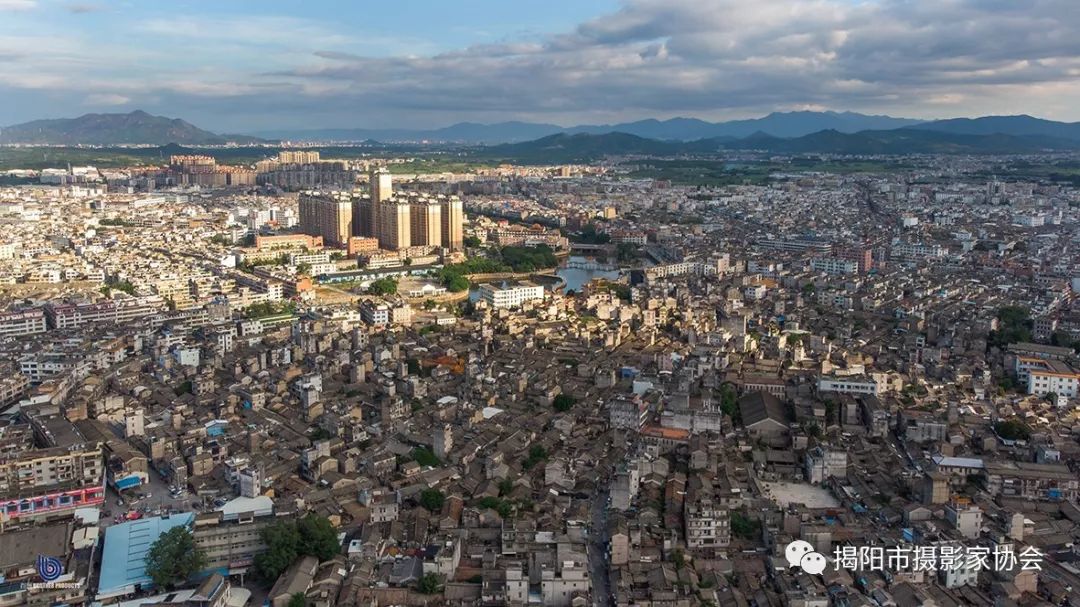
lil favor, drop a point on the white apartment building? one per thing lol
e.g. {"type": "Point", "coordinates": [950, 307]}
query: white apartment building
{"type": "Point", "coordinates": [966, 518]}
{"type": "Point", "coordinates": [834, 265]}
{"type": "Point", "coordinates": [569, 576]}
{"type": "Point", "coordinates": [822, 464]}
{"type": "Point", "coordinates": [511, 295]}
{"type": "Point", "coordinates": [115, 311]}
{"type": "Point", "coordinates": [958, 576]}
{"type": "Point", "coordinates": [628, 414]}
{"type": "Point", "coordinates": [916, 250]}
{"type": "Point", "coordinates": [378, 313]}
{"type": "Point", "coordinates": [1059, 379]}
{"type": "Point", "coordinates": [12, 388]}
{"type": "Point", "coordinates": [308, 258]}
{"type": "Point", "coordinates": [855, 384]}
{"type": "Point", "coordinates": [22, 323]}
{"type": "Point", "coordinates": [706, 524]}
{"type": "Point", "coordinates": [375, 314]}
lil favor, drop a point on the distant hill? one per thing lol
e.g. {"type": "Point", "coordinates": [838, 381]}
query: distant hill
{"type": "Point", "coordinates": [1022, 125]}
{"type": "Point", "coordinates": [565, 147]}
{"type": "Point", "coordinates": [137, 127]}
{"type": "Point", "coordinates": [462, 132]}
{"type": "Point", "coordinates": [777, 124]}
{"type": "Point", "coordinates": [905, 141]}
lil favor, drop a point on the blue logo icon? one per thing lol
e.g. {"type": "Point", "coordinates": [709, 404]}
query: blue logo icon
{"type": "Point", "coordinates": [49, 568]}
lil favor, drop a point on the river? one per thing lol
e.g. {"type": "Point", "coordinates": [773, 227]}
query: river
{"type": "Point", "coordinates": [575, 272]}
{"type": "Point", "coordinates": [576, 277]}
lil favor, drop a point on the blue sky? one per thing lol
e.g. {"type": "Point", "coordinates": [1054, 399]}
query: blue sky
{"type": "Point", "coordinates": [246, 66]}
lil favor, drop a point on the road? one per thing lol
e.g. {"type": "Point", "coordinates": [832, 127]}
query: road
{"type": "Point", "coordinates": [599, 538]}
{"type": "Point", "coordinates": [159, 498]}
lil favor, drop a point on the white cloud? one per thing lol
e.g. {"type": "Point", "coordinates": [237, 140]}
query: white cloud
{"type": "Point", "coordinates": [707, 58]}
{"type": "Point", "coordinates": [17, 5]}
{"type": "Point", "coordinates": [107, 99]}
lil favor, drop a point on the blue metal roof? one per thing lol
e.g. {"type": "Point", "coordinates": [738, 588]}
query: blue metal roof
{"type": "Point", "coordinates": [123, 560]}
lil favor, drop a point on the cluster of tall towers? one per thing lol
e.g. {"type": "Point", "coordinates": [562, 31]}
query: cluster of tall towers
{"type": "Point", "coordinates": [398, 221]}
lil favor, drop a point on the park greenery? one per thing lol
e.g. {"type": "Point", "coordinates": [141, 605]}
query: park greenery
{"type": "Point", "coordinates": [590, 235]}
{"type": "Point", "coordinates": [269, 308]}
{"type": "Point", "coordinates": [174, 558]}
{"type": "Point", "coordinates": [511, 259]}
{"type": "Point", "coordinates": [383, 286]}
{"type": "Point", "coordinates": [529, 259]}
{"type": "Point", "coordinates": [289, 540]}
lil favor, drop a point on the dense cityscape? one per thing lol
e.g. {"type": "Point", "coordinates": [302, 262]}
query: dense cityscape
{"type": "Point", "coordinates": [557, 384]}
{"type": "Point", "coordinates": [619, 303]}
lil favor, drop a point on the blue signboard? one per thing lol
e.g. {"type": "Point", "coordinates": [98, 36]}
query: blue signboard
{"type": "Point", "coordinates": [128, 482]}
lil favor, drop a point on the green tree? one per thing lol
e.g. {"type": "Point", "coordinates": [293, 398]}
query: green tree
{"type": "Point", "coordinates": [456, 283]}
{"type": "Point", "coordinates": [1014, 325]}
{"type": "Point", "coordinates": [424, 457]}
{"type": "Point", "coordinates": [729, 402]}
{"type": "Point", "coordinates": [413, 365]}
{"type": "Point", "coordinates": [174, 558]}
{"type": "Point", "coordinates": [430, 583]}
{"type": "Point", "coordinates": [472, 242]}
{"type": "Point", "coordinates": [297, 600]}
{"type": "Point", "coordinates": [745, 527]}
{"type": "Point", "coordinates": [626, 251]}
{"type": "Point", "coordinates": [383, 286]}
{"type": "Point", "coordinates": [282, 541]}
{"type": "Point", "coordinates": [303, 268]}
{"type": "Point", "coordinates": [318, 537]}
{"type": "Point", "coordinates": [528, 259]}
{"type": "Point", "coordinates": [563, 402]}
{"type": "Point", "coordinates": [537, 454]}
{"type": "Point", "coordinates": [432, 499]}
{"type": "Point", "coordinates": [590, 235]}
{"type": "Point", "coordinates": [1012, 429]}
{"type": "Point", "coordinates": [505, 487]}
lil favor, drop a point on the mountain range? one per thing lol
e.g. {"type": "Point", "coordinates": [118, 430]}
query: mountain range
{"type": "Point", "coordinates": [778, 124]}
{"type": "Point", "coordinates": [565, 147]}
{"type": "Point", "coordinates": [786, 133]}
{"type": "Point", "coordinates": [136, 127]}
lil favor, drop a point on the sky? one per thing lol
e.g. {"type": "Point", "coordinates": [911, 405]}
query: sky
{"type": "Point", "coordinates": [247, 67]}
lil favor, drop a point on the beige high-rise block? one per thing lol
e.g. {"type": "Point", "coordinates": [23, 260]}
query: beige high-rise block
{"type": "Point", "coordinates": [394, 226]}
{"type": "Point", "coordinates": [426, 223]}
{"type": "Point", "coordinates": [453, 223]}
